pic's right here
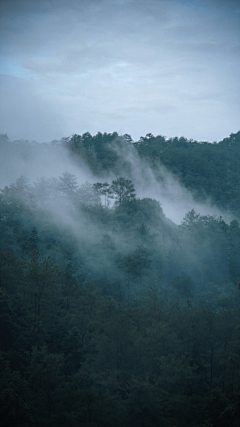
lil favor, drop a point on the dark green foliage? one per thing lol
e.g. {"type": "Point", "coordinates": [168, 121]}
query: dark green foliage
{"type": "Point", "coordinates": [123, 191]}
{"type": "Point", "coordinates": [110, 314]}
{"type": "Point", "coordinates": [92, 360]}
{"type": "Point", "coordinates": [208, 170]}
{"type": "Point", "coordinates": [100, 152]}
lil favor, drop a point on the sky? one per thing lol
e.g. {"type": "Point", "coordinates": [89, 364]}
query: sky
{"type": "Point", "coordinates": [132, 66]}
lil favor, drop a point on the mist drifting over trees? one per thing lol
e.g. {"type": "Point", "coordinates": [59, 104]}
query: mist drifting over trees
{"type": "Point", "coordinates": [119, 269]}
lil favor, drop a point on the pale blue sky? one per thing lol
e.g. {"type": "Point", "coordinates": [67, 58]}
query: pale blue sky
{"type": "Point", "coordinates": [166, 67]}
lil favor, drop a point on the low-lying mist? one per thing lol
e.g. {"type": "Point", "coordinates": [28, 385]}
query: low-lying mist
{"type": "Point", "coordinates": [35, 160]}
{"type": "Point", "coordinates": [134, 225]}
{"type": "Point", "coordinates": [115, 292]}
{"type": "Point", "coordinates": [160, 184]}
{"type": "Point", "coordinates": [48, 160]}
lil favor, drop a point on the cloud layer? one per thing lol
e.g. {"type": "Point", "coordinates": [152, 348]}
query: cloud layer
{"type": "Point", "coordinates": [166, 67]}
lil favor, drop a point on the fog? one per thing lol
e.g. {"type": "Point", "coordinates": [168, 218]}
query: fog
{"type": "Point", "coordinates": [161, 185]}
{"type": "Point", "coordinates": [119, 254]}
{"type": "Point", "coordinates": [71, 199]}
{"type": "Point", "coordinates": [35, 160]}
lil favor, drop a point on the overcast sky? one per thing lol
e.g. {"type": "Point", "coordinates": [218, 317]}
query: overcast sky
{"type": "Point", "coordinates": [131, 66]}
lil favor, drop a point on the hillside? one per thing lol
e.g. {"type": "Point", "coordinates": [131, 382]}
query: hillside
{"type": "Point", "coordinates": [112, 314]}
{"type": "Point", "coordinates": [208, 170]}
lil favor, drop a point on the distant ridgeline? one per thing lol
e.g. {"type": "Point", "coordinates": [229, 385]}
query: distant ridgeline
{"type": "Point", "coordinates": [206, 169]}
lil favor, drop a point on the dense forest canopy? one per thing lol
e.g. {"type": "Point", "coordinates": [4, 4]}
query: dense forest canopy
{"type": "Point", "coordinates": [112, 314]}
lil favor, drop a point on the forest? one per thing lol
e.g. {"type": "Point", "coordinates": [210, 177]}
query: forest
{"type": "Point", "coordinates": [112, 312]}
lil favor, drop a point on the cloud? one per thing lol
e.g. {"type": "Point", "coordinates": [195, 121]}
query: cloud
{"type": "Point", "coordinates": [91, 60]}
{"type": "Point", "coordinates": [23, 112]}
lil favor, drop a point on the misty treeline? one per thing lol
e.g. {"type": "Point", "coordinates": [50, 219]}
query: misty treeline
{"type": "Point", "coordinates": [111, 314]}
{"type": "Point", "coordinates": [206, 169]}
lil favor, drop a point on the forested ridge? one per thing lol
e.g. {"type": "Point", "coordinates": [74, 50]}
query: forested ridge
{"type": "Point", "coordinates": [111, 314]}
{"type": "Point", "coordinates": [207, 169]}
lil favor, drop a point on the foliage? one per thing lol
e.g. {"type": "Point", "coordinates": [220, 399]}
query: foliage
{"type": "Point", "coordinates": [110, 314]}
